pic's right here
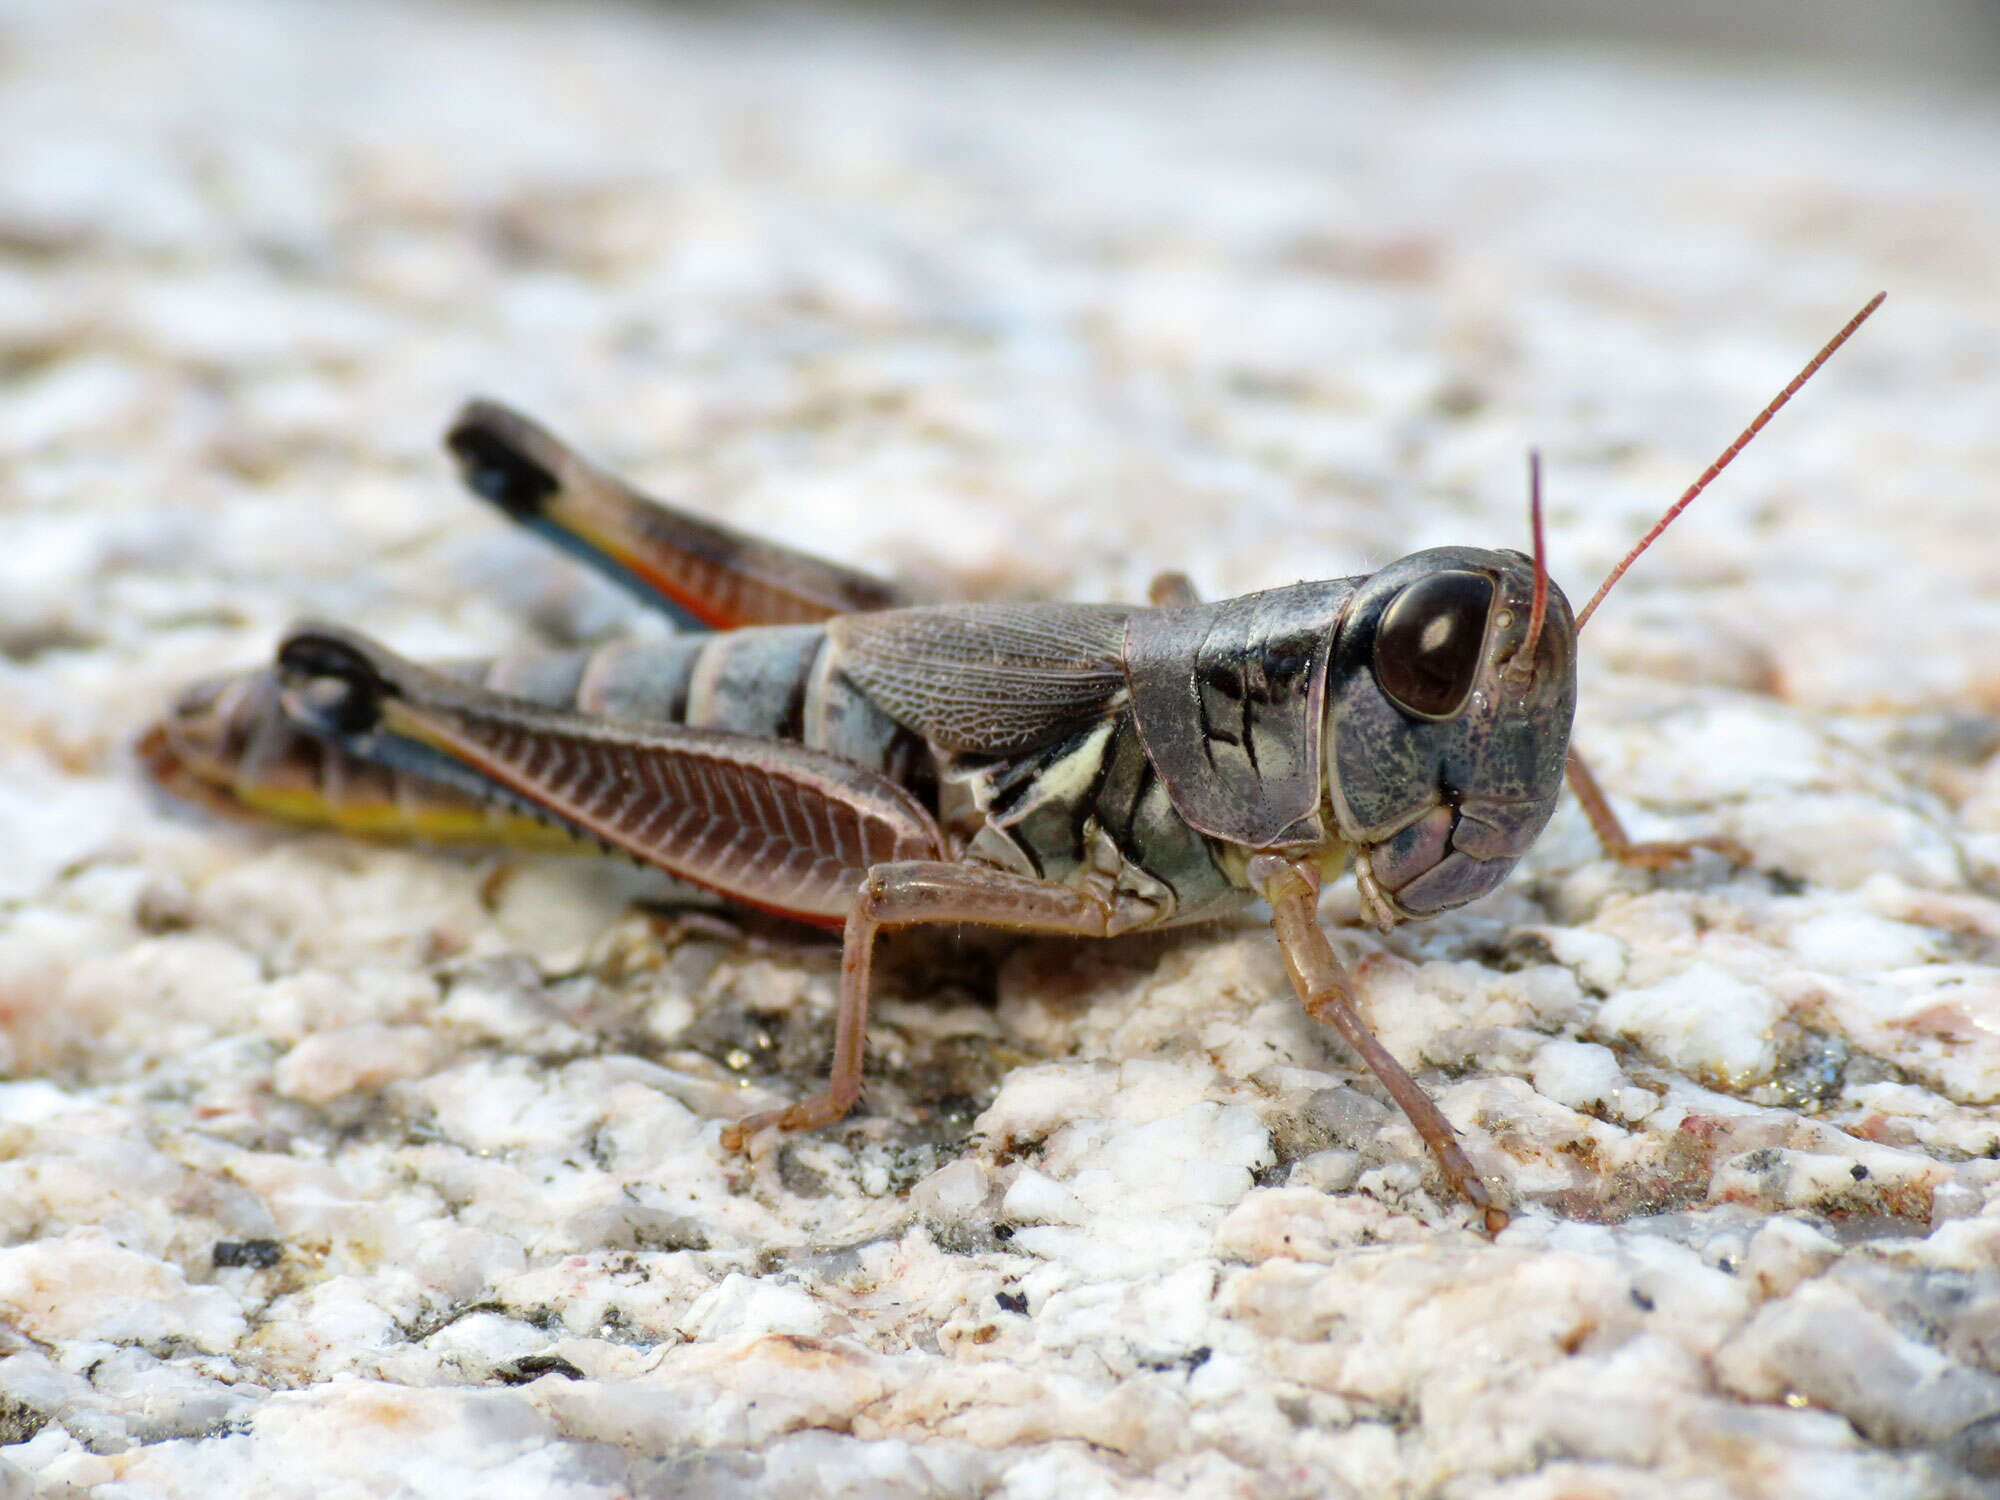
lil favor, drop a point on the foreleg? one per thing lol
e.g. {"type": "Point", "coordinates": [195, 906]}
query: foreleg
{"type": "Point", "coordinates": [1323, 985]}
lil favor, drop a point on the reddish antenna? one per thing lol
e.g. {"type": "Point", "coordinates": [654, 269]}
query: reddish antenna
{"type": "Point", "coordinates": [1523, 664]}
{"type": "Point", "coordinates": [1583, 616]}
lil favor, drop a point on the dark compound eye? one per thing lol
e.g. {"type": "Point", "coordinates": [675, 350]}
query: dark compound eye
{"type": "Point", "coordinates": [1427, 645]}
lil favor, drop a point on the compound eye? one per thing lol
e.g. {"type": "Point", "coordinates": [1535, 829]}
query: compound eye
{"type": "Point", "coordinates": [1427, 646]}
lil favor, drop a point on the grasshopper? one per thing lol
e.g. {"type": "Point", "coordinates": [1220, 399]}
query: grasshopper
{"type": "Point", "coordinates": [823, 748]}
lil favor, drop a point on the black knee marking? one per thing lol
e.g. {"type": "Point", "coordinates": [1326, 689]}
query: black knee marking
{"type": "Point", "coordinates": [329, 685]}
{"type": "Point", "coordinates": [496, 466]}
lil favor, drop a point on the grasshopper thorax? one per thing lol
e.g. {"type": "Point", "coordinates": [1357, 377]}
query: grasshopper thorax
{"type": "Point", "coordinates": [1444, 747]}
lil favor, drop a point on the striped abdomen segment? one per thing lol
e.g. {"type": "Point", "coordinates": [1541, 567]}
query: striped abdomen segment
{"type": "Point", "coordinates": [776, 682]}
{"type": "Point", "coordinates": [769, 823]}
{"type": "Point", "coordinates": [228, 744]}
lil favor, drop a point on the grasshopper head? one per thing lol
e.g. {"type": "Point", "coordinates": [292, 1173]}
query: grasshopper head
{"type": "Point", "coordinates": [1449, 699]}
{"type": "Point", "coordinates": [1447, 724]}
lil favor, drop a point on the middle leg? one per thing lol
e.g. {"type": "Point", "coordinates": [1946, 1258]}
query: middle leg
{"type": "Point", "coordinates": [914, 893]}
{"type": "Point", "coordinates": [1171, 590]}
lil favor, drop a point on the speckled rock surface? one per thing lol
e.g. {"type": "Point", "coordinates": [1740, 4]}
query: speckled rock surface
{"type": "Point", "coordinates": [332, 1170]}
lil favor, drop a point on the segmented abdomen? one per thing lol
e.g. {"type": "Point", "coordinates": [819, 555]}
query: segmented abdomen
{"type": "Point", "coordinates": [227, 743]}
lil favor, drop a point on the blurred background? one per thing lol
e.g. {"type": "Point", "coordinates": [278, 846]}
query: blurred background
{"type": "Point", "coordinates": [1948, 38]}
{"type": "Point", "coordinates": [1026, 299]}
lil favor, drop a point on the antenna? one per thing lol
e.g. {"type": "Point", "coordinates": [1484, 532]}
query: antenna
{"type": "Point", "coordinates": [1583, 616]}
{"type": "Point", "coordinates": [1523, 664]}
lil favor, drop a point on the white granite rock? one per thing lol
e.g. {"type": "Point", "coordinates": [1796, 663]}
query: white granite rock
{"type": "Point", "coordinates": [335, 1170]}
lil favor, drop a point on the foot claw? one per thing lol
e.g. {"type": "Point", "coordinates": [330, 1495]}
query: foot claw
{"type": "Point", "coordinates": [1474, 1190]}
{"type": "Point", "coordinates": [739, 1137]}
{"type": "Point", "coordinates": [810, 1114]}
